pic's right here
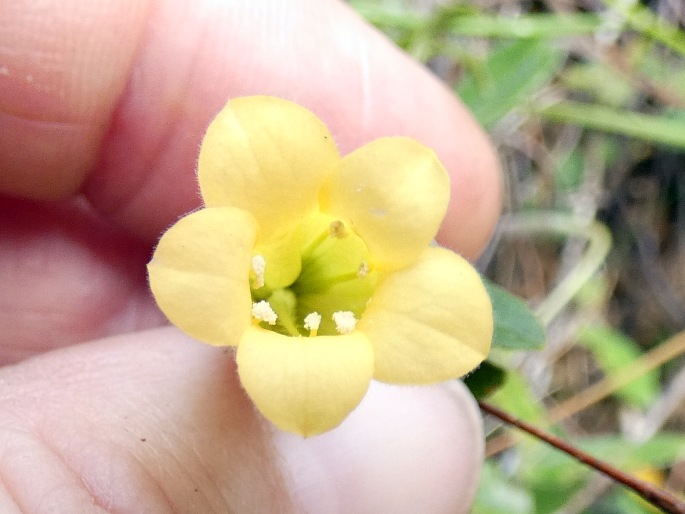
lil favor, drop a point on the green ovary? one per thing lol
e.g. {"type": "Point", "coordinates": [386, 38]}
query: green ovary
{"type": "Point", "coordinates": [334, 275]}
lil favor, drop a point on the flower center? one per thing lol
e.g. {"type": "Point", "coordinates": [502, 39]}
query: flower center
{"type": "Point", "coordinates": [329, 294]}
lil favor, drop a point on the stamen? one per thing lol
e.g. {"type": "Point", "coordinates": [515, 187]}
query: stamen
{"type": "Point", "coordinates": [262, 311]}
{"type": "Point", "coordinates": [337, 229]}
{"type": "Point", "coordinates": [312, 321]}
{"type": "Point", "coordinates": [258, 266]}
{"type": "Point", "coordinates": [344, 321]}
{"type": "Point", "coordinates": [363, 270]}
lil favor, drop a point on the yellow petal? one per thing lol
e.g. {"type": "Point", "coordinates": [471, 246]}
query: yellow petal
{"type": "Point", "coordinates": [267, 156]}
{"type": "Point", "coordinates": [306, 385]}
{"type": "Point", "coordinates": [430, 322]}
{"type": "Point", "coordinates": [199, 274]}
{"type": "Point", "coordinates": [394, 193]}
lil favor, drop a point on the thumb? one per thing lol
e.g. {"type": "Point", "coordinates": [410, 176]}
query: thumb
{"type": "Point", "coordinates": [403, 450]}
{"type": "Point", "coordinates": [156, 422]}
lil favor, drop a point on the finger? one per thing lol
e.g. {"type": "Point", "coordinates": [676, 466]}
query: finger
{"type": "Point", "coordinates": [67, 277]}
{"type": "Point", "coordinates": [121, 108]}
{"type": "Point", "coordinates": [155, 422]}
{"type": "Point", "coordinates": [63, 67]}
{"type": "Point", "coordinates": [403, 450]}
{"type": "Point", "coordinates": [146, 423]}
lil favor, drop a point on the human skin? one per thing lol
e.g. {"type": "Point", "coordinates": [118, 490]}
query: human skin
{"type": "Point", "coordinates": [102, 407]}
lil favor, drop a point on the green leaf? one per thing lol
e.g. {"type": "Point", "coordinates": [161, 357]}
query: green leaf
{"type": "Point", "coordinates": [600, 82]}
{"type": "Point", "coordinates": [523, 26]}
{"type": "Point", "coordinates": [464, 20]}
{"type": "Point", "coordinates": [516, 327]}
{"type": "Point", "coordinates": [569, 171]}
{"type": "Point", "coordinates": [642, 19]}
{"type": "Point", "coordinates": [485, 380]}
{"type": "Point", "coordinates": [517, 398]}
{"type": "Point", "coordinates": [666, 130]}
{"type": "Point", "coordinates": [615, 351]}
{"type": "Point", "coordinates": [497, 493]}
{"type": "Point", "coordinates": [512, 74]}
{"type": "Point", "coordinates": [660, 451]}
{"type": "Point", "coordinates": [554, 477]}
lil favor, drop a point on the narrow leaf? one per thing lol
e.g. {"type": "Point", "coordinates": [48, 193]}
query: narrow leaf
{"type": "Point", "coordinates": [513, 73]}
{"type": "Point", "coordinates": [663, 130]}
{"type": "Point", "coordinates": [615, 351]}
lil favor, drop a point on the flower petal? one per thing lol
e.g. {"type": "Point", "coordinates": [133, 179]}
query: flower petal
{"type": "Point", "coordinates": [394, 193]}
{"type": "Point", "coordinates": [430, 322]}
{"type": "Point", "coordinates": [199, 274]}
{"type": "Point", "coordinates": [306, 385]}
{"type": "Point", "coordinates": [267, 156]}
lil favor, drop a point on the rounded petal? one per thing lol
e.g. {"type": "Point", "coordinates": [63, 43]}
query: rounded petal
{"type": "Point", "coordinates": [394, 192]}
{"type": "Point", "coordinates": [429, 322]}
{"type": "Point", "coordinates": [306, 385]}
{"type": "Point", "coordinates": [267, 156]}
{"type": "Point", "coordinates": [199, 274]}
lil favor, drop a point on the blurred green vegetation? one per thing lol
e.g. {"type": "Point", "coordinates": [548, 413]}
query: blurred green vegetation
{"type": "Point", "coordinates": [585, 101]}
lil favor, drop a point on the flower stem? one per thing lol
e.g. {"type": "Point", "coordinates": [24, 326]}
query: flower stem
{"type": "Point", "coordinates": [654, 495]}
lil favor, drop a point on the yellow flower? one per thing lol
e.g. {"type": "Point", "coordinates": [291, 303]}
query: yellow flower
{"type": "Point", "coordinates": [319, 267]}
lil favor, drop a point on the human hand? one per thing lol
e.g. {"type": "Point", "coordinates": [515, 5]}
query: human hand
{"type": "Point", "coordinates": [102, 108]}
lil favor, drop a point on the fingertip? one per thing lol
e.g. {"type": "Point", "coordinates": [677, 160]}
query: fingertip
{"type": "Point", "coordinates": [403, 450]}
{"type": "Point", "coordinates": [64, 65]}
{"type": "Point", "coordinates": [477, 192]}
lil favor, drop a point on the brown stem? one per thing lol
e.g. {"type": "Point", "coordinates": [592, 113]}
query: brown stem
{"type": "Point", "coordinates": [654, 495]}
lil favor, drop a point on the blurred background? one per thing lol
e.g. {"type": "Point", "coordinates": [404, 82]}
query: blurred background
{"type": "Point", "coordinates": [585, 101]}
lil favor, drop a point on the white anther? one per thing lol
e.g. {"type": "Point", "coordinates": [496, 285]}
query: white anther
{"type": "Point", "coordinates": [344, 321]}
{"type": "Point", "coordinates": [363, 270]}
{"type": "Point", "coordinates": [258, 266]}
{"type": "Point", "coordinates": [262, 311]}
{"type": "Point", "coordinates": [312, 321]}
